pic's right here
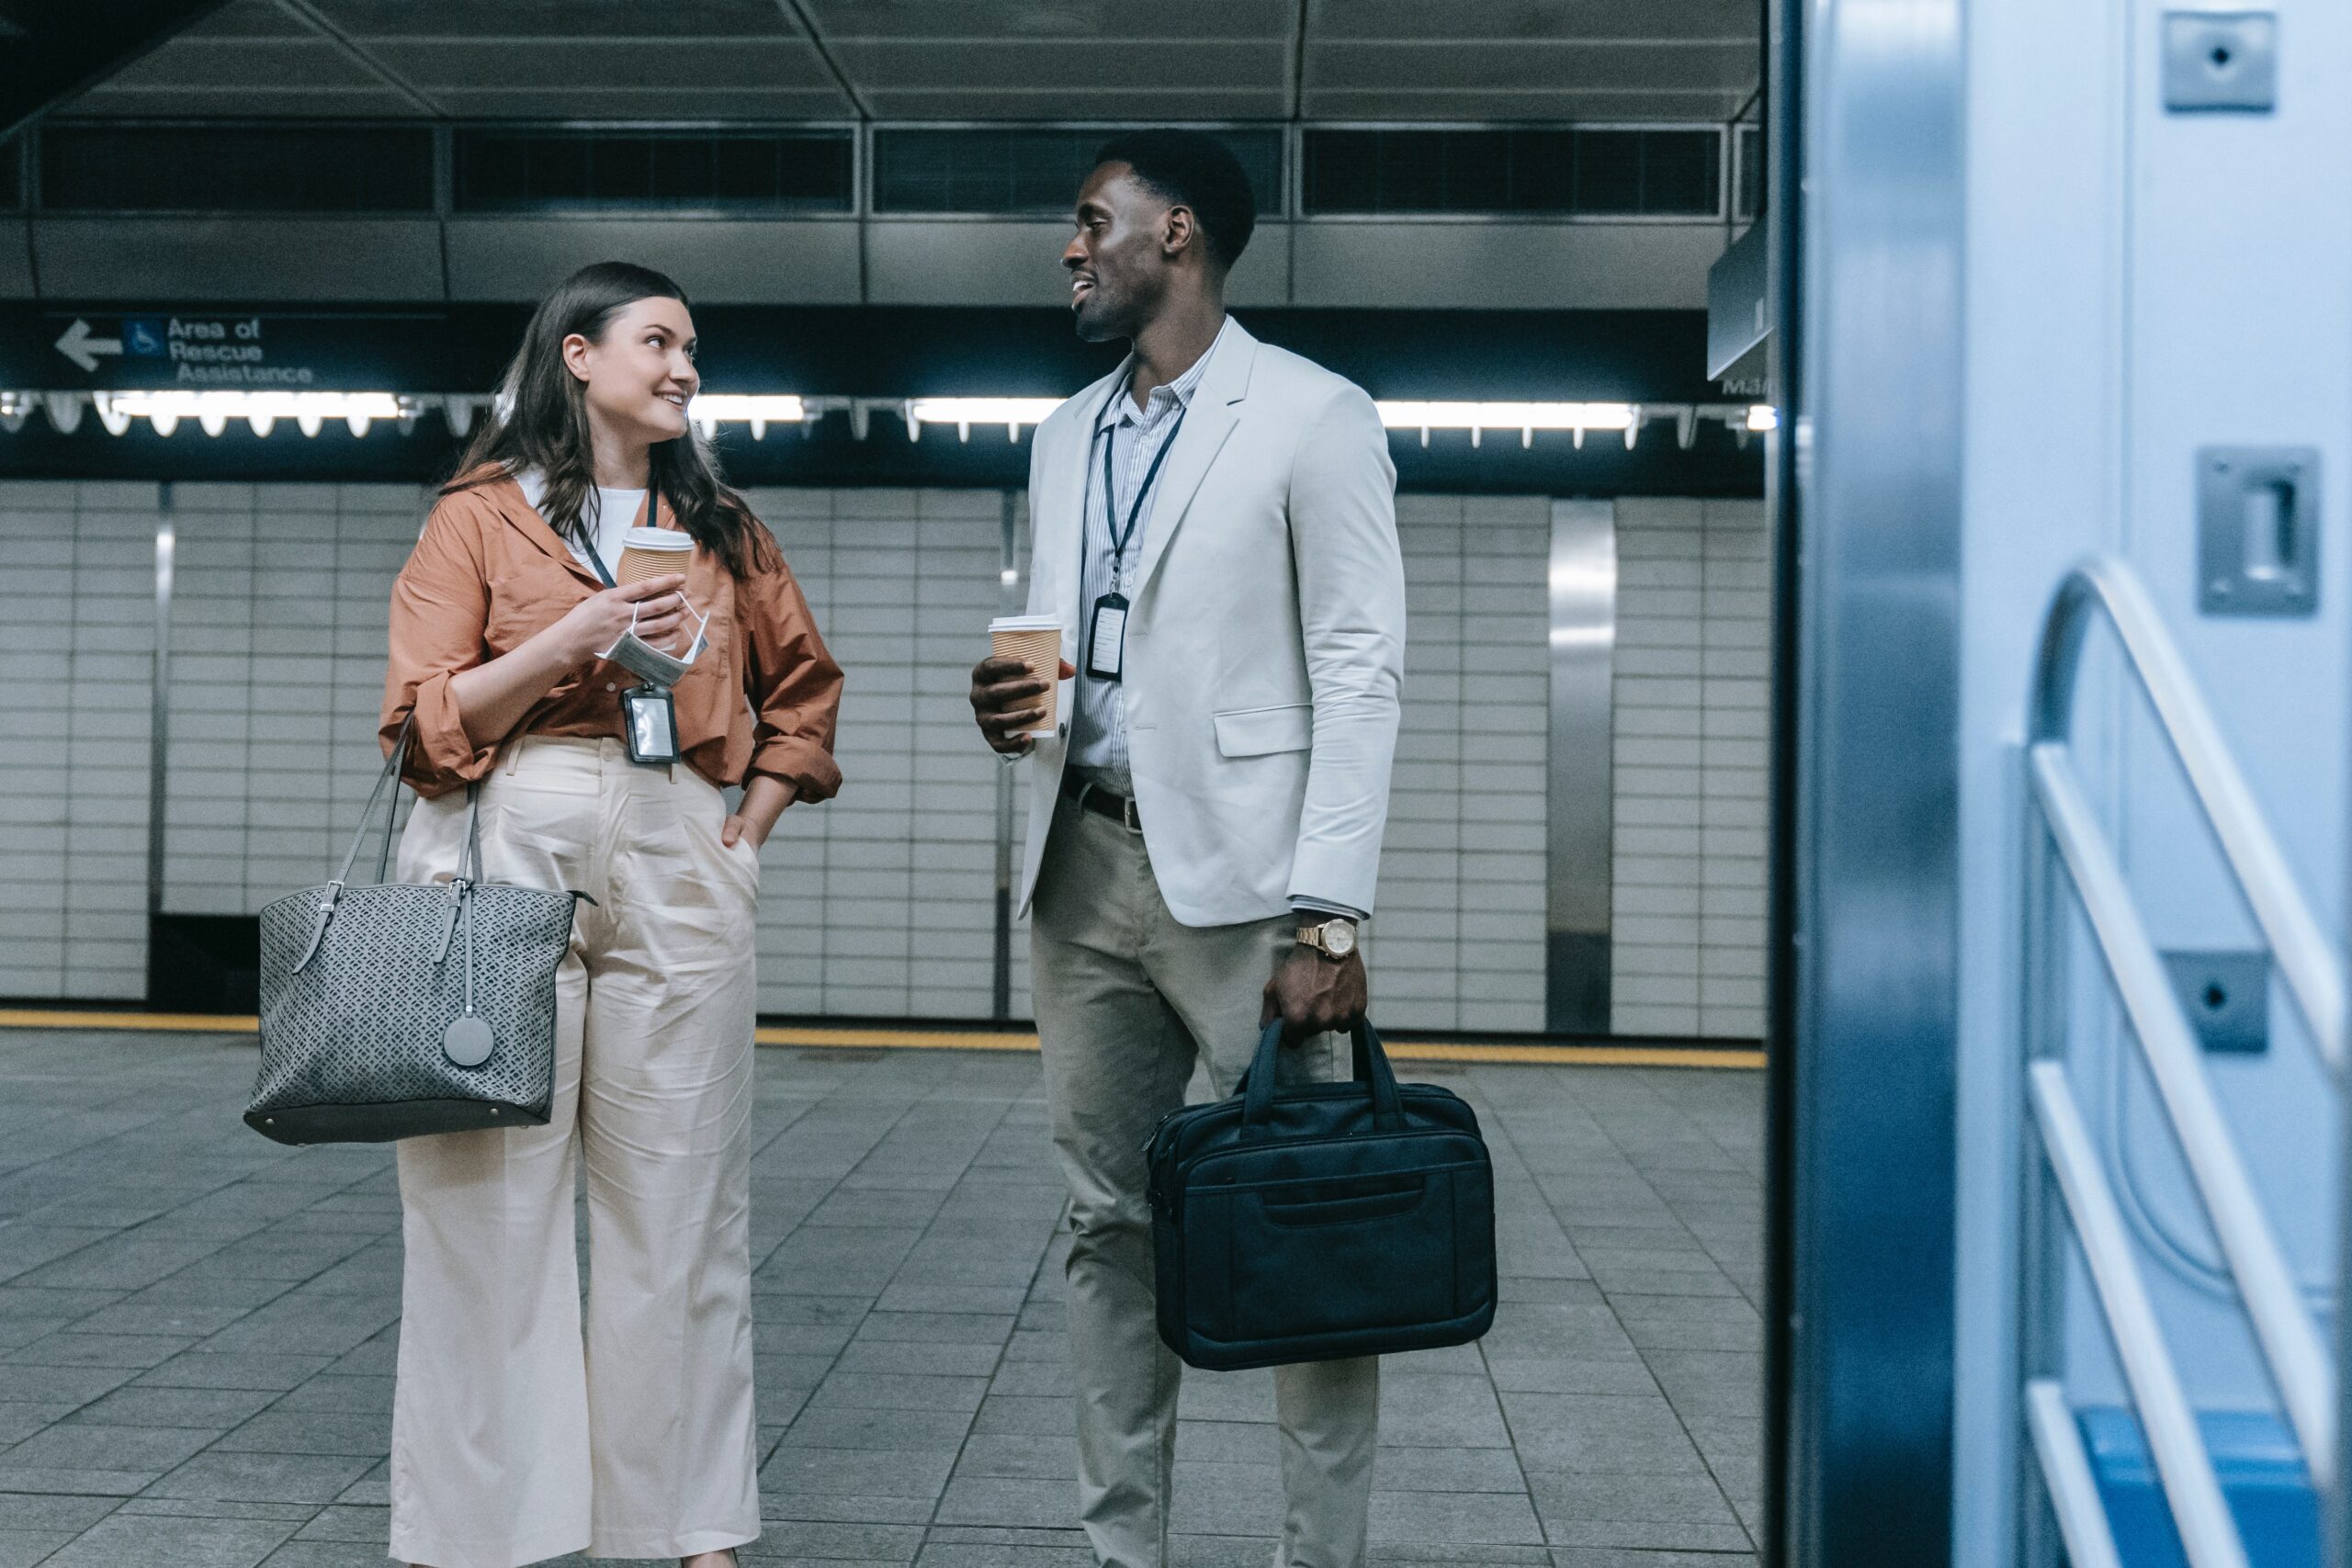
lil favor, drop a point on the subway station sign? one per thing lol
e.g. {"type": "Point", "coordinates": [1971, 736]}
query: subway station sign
{"type": "Point", "coordinates": [49, 349]}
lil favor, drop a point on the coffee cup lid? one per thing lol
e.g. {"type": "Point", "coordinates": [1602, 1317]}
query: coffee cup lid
{"type": "Point", "coordinates": [1025, 624]}
{"type": "Point", "coordinates": [657, 539]}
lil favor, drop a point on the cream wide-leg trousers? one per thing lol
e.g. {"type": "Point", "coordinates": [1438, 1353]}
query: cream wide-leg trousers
{"type": "Point", "coordinates": [515, 1436]}
{"type": "Point", "coordinates": [1126, 1000]}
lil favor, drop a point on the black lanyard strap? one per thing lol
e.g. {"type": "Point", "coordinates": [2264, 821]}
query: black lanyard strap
{"type": "Point", "coordinates": [652, 520]}
{"type": "Point", "coordinates": [1110, 507]}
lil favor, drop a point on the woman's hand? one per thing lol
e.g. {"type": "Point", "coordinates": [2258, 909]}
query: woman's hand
{"type": "Point", "coordinates": [764, 799]}
{"type": "Point", "coordinates": [597, 622]}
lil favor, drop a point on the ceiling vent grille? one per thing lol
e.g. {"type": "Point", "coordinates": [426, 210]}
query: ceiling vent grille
{"type": "Point", "coordinates": [1565, 172]}
{"type": "Point", "coordinates": [292, 168]}
{"type": "Point", "coordinates": [513, 170]}
{"type": "Point", "coordinates": [1026, 171]}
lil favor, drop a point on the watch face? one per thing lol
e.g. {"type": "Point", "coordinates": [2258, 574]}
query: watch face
{"type": "Point", "coordinates": [1339, 938]}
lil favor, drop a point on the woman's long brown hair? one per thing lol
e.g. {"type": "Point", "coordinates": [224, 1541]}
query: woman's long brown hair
{"type": "Point", "coordinates": [539, 420]}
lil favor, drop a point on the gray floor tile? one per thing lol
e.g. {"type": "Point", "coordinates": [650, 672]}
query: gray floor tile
{"type": "Point", "coordinates": [915, 1393]}
{"type": "Point", "coordinates": [93, 1446]}
{"type": "Point", "coordinates": [127, 1540]}
{"type": "Point", "coordinates": [23, 1548]}
{"type": "Point", "coordinates": [264, 1477]}
{"type": "Point", "coordinates": [68, 1348]}
{"type": "Point", "coordinates": [367, 1433]}
{"type": "Point", "coordinates": [210, 1409]}
{"type": "Point", "coordinates": [207, 1369]}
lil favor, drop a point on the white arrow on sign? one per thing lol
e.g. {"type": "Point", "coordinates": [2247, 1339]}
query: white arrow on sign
{"type": "Point", "coordinates": [79, 346]}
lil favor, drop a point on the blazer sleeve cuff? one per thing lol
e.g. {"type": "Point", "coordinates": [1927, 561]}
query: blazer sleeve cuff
{"type": "Point", "coordinates": [804, 764]}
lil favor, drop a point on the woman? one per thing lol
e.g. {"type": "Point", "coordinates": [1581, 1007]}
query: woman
{"type": "Point", "coordinates": [512, 1439]}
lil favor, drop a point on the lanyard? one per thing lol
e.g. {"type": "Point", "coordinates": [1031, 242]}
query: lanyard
{"type": "Point", "coordinates": [1110, 507]}
{"type": "Point", "coordinates": [652, 520]}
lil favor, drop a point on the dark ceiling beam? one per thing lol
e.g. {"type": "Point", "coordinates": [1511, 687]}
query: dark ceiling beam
{"type": "Point", "coordinates": [799, 13]}
{"type": "Point", "coordinates": [359, 54]}
{"type": "Point", "coordinates": [50, 53]}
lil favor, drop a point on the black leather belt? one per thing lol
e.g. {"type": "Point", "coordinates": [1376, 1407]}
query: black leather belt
{"type": "Point", "coordinates": [1102, 802]}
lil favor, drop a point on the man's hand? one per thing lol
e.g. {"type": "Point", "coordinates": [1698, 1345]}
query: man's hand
{"type": "Point", "coordinates": [1004, 702]}
{"type": "Point", "coordinates": [1313, 995]}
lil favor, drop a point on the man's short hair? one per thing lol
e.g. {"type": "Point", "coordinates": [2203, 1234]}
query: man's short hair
{"type": "Point", "coordinates": [1193, 169]}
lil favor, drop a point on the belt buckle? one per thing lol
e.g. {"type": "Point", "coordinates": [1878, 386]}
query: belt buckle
{"type": "Point", "coordinates": [1127, 817]}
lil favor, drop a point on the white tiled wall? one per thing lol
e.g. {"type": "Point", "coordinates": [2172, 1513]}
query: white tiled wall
{"type": "Point", "coordinates": [77, 620]}
{"type": "Point", "coordinates": [1692, 670]}
{"type": "Point", "coordinates": [1457, 941]}
{"type": "Point", "coordinates": [881, 903]}
{"type": "Point", "coordinates": [278, 608]}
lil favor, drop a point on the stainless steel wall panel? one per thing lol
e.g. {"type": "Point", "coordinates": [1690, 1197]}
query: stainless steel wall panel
{"type": "Point", "coordinates": [17, 262]}
{"type": "Point", "coordinates": [719, 260]}
{"type": "Point", "coordinates": [1481, 265]}
{"type": "Point", "coordinates": [282, 259]}
{"type": "Point", "coordinates": [1580, 816]}
{"type": "Point", "coordinates": [986, 260]}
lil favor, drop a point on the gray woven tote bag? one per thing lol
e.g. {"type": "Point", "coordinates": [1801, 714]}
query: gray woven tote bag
{"type": "Point", "coordinates": [390, 1010]}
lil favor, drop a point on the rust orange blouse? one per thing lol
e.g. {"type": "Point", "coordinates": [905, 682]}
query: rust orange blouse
{"type": "Point", "coordinates": [489, 574]}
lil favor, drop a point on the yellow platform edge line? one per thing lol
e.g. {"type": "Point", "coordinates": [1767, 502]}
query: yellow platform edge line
{"type": "Point", "coordinates": [975, 1040]}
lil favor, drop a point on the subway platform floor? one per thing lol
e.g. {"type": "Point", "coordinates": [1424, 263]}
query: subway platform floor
{"type": "Point", "coordinates": [197, 1327]}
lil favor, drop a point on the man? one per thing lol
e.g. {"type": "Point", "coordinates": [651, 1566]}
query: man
{"type": "Point", "coordinates": [1215, 527]}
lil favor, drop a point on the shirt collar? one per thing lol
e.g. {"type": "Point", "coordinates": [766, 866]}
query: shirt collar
{"type": "Point", "coordinates": [1122, 408]}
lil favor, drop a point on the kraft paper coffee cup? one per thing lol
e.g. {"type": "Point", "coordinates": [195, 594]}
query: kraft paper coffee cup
{"type": "Point", "coordinates": [650, 552]}
{"type": "Point", "coordinates": [1035, 641]}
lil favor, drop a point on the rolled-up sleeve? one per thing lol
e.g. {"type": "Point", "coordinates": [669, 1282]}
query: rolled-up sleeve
{"type": "Point", "coordinates": [440, 604]}
{"type": "Point", "coordinates": [793, 683]}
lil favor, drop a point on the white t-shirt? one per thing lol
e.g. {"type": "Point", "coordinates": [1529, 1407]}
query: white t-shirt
{"type": "Point", "coordinates": [611, 513]}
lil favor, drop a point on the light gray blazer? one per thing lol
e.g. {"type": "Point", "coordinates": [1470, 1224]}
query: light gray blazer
{"type": "Point", "coordinates": [1266, 644]}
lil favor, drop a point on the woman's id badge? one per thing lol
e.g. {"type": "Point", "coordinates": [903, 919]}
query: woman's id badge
{"type": "Point", "coordinates": [650, 723]}
{"type": "Point", "coordinates": [1106, 638]}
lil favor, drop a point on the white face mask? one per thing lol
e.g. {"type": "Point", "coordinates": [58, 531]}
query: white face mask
{"type": "Point", "coordinates": [640, 658]}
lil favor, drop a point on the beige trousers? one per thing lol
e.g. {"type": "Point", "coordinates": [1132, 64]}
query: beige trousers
{"type": "Point", "coordinates": [515, 1436]}
{"type": "Point", "coordinates": [1127, 1000]}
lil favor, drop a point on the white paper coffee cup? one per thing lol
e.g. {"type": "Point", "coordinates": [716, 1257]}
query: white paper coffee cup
{"type": "Point", "coordinates": [650, 552]}
{"type": "Point", "coordinates": [1036, 642]}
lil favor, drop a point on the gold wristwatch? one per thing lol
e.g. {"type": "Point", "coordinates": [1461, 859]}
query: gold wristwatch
{"type": "Point", "coordinates": [1334, 939]}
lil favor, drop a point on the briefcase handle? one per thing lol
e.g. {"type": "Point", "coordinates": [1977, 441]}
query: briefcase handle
{"type": "Point", "coordinates": [1257, 1086]}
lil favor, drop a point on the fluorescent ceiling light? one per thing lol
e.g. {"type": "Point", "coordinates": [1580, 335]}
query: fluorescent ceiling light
{"type": "Point", "coordinates": [1507, 416]}
{"type": "Point", "coordinates": [964, 412]}
{"type": "Point", "coordinates": [759, 410]}
{"type": "Point", "coordinates": [262, 411]}
{"type": "Point", "coordinates": [1763, 416]}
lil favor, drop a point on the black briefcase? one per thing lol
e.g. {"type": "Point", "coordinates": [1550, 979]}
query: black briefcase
{"type": "Point", "coordinates": [1321, 1220]}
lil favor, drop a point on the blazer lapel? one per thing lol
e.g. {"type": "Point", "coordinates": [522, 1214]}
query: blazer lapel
{"type": "Point", "coordinates": [1207, 423]}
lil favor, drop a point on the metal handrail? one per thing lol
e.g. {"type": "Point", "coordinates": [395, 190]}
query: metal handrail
{"type": "Point", "coordinates": [2208, 1533]}
{"type": "Point", "coordinates": [2290, 1342]}
{"type": "Point", "coordinates": [2073, 1491]}
{"type": "Point", "coordinates": [2306, 960]}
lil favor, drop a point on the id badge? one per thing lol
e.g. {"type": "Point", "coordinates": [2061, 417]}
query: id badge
{"type": "Point", "coordinates": [650, 722]}
{"type": "Point", "coordinates": [1106, 640]}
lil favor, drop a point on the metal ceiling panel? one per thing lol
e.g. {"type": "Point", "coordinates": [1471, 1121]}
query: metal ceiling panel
{"type": "Point", "coordinates": [1533, 19]}
{"type": "Point", "coordinates": [1625, 66]}
{"type": "Point", "coordinates": [684, 66]}
{"type": "Point", "coordinates": [1029, 66]}
{"type": "Point", "coordinates": [843, 20]}
{"type": "Point", "coordinates": [1051, 101]}
{"type": "Point", "coordinates": [535, 100]}
{"type": "Point", "coordinates": [371, 20]}
{"type": "Point", "coordinates": [1391, 105]}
